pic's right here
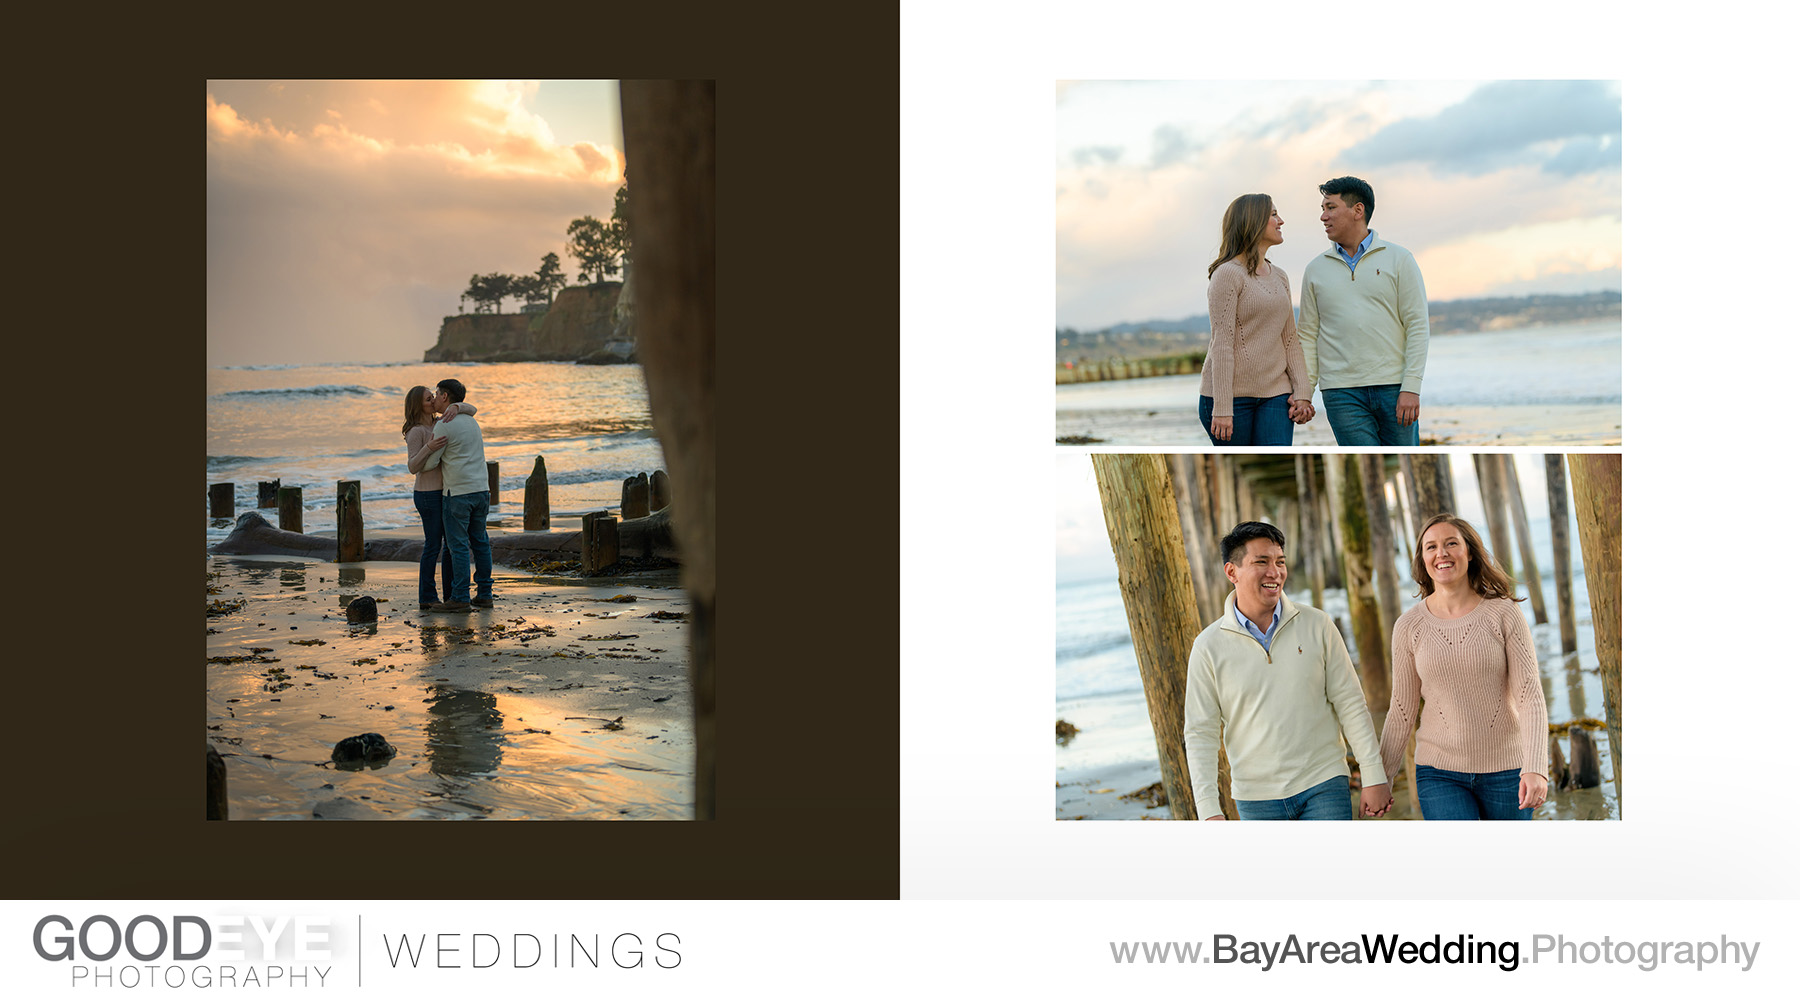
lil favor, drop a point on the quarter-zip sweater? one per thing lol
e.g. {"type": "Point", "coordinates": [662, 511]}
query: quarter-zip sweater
{"type": "Point", "coordinates": [1484, 705]}
{"type": "Point", "coordinates": [1370, 327]}
{"type": "Point", "coordinates": [1282, 714]}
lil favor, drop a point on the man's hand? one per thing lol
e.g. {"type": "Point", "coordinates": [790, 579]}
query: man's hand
{"type": "Point", "coordinates": [1221, 428]}
{"type": "Point", "coordinates": [1300, 410]}
{"type": "Point", "coordinates": [1532, 790]}
{"type": "Point", "coordinates": [1377, 799]}
{"type": "Point", "coordinates": [435, 443]}
{"type": "Point", "coordinates": [450, 412]}
{"type": "Point", "coordinates": [1408, 410]}
{"type": "Point", "coordinates": [1209, 819]}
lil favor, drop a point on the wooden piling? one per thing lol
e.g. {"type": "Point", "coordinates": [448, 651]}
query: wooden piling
{"type": "Point", "coordinates": [1584, 761]}
{"type": "Point", "coordinates": [1309, 528]}
{"type": "Point", "coordinates": [287, 505]}
{"type": "Point", "coordinates": [1138, 503]}
{"type": "Point", "coordinates": [1381, 548]}
{"type": "Point", "coordinates": [1559, 766]}
{"type": "Point", "coordinates": [1493, 507]}
{"type": "Point", "coordinates": [493, 485]}
{"type": "Point", "coordinates": [265, 494]}
{"type": "Point", "coordinates": [1521, 524]}
{"type": "Point", "coordinates": [1343, 479]}
{"type": "Point", "coordinates": [1558, 488]}
{"type": "Point", "coordinates": [220, 500]}
{"type": "Point", "coordinates": [350, 521]}
{"type": "Point", "coordinates": [1596, 480]}
{"type": "Point", "coordinates": [634, 498]}
{"type": "Point", "coordinates": [599, 542]}
{"type": "Point", "coordinates": [1193, 543]}
{"type": "Point", "coordinates": [1207, 525]}
{"type": "Point", "coordinates": [537, 498]}
{"type": "Point", "coordinates": [659, 490]}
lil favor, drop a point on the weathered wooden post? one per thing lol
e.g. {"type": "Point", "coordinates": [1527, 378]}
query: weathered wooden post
{"type": "Point", "coordinates": [218, 803]}
{"type": "Point", "coordinates": [288, 508]}
{"type": "Point", "coordinates": [1309, 528]}
{"type": "Point", "coordinates": [1527, 559]}
{"type": "Point", "coordinates": [1493, 507]}
{"type": "Point", "coordinates": [1206, 522]}
{"type": "Point", "coordinates": [1344, 480]}
{"type": "Point", "coordinates": [1558, 488]}
{"type": "Point", "coordinates": [1381, 550]}
{"type": "Point", "coordinates": [659, 490]}
{"type": "Point", "coordinates": [350, 521]}
{"type": "Point", "coordinates": [1446, 484]}
{"type": "Point", "coordinates": [537, 498]}
{"type": "Point", "coordinates": [220, 501]}
{"type": "Point", "coordinates": [1139, 507]}
{"type": "Point", "coordinates": [1192, 541]}
{"type": "Point", "coordinates": [265, 494]}
{"type": "Point", "coordinates": [1596, 479]}
{"type": "Point", "coordinates": [1584, 761]}
{"type": "Point", "coordinates": [634, 498]}
{"type": "Point", "coordinates": [599, 542]}
{"type": "Point", "coordinates": [493, 484]}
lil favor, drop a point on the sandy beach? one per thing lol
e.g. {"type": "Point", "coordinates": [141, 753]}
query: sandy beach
{"type": "Point", "coordinates": [566, 700]}
{"type": "Point", "coordinates": [1159, 426]}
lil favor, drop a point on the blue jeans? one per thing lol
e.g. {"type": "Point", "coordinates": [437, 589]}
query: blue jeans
{"type": "Point", "coordinates": [1461, 795]}
{"type": "Point", "coordinates": [1329, 799]}
{"type": "Point", "coordinates": [1253, 421]}
{"type": "Point", "coordinates": [430, 505]}
{"type": "Point", "coordinates": [465, 528]}
{"type": "Point", "coordinates": [1364, 415]}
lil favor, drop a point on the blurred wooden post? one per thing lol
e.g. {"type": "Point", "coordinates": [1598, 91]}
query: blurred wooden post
{"type": "Point", "coordinates": [659, 490]}
{"type": "Point", "coordinates": [218, 802]}
{"type": "Point", "coordinates": [493, 484]}
{"type": "Point", "coordinates": [350, 521]}
{"type": "Point", "coordinates": [537, 498]}
{"type": "Point", "coordinates": [1381, 548]}
{"type": "Point", "coordinates": [1192, 542]}
{"type": "Point", "coordinates": [1141, 522]}
{"type": "Point", "coordinates": [265, 494]}
{"type": "Point", "coordinates": [1206, 522]}
{"type": "Point", "coordinates": [221, 502]}
{"type": "Point", "coordinates": [599, 542]}
{"type": "Point", "coordinates": [1446, 484]}
{"type": "Point", "coordinates": [287, 505]}
{"type": "Point", "coordinates": [1310, 546]}
{"type": "Point", "coordinates": [634, 498]}
{"type": "Point", "coordinates": [1558, 488]}
{"type": "Point", "coordinates": [1597, 481]}
{"type": "Point", "coordinates": [1493, 508]}
{"type": "Point", "coordinates": [1527, 559]}
{"type": "Point", "coordinates": [1344, 480]}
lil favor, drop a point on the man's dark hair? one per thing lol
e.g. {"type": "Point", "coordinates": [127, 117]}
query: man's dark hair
{"type": "Point", "coordinates": [1353, 190]}
{"type": "Point", "coordinates": [1231, 547]}
{"type": "Point", "coordinates": [454, 388]}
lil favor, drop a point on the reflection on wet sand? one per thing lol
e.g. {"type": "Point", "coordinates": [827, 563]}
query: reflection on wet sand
{"type": "Point", "coordinates": [462, 733]}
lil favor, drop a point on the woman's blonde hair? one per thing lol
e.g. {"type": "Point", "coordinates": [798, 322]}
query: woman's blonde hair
{"type": "Point", "coordinates": [1486, 576]}
{"type": "Point", "coordinates": [1245, 219]}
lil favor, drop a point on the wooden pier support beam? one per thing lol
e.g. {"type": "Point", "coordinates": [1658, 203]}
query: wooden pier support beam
{"type": "Point", "coordinates": [1343, 478]}
{"type": "Point", "coordinates": [1528, 567]}
{"type": "Point", "coordinates": [1493, 507]}
{"type": "Point", "coordinates": [1311, 534]}
{"type": "Point", "coordinates": [1381, 546]}
{"type": "Point", "coordinates": [634, 498]}
{"type": "Point", "coordinates": [350, 521]}
{"type": "Point", "coordinates": [265, 494]}
{"type": "Point", "coordinates": [1557, 486]}
{"type": "Point", "coordinates": [493, 485]}
{"type": "Point", "coordinates": [1138, 503]}
{"type": "Point", "coordinates": [1596, 480]}
{"type": "Point", "coordinates": [537, 498]}
{"type": "Point", "coordinates": [659, 490]}
{"type": "Point", "coordinates": [287, 505]}
{"type": "Point", "coordinates": [220, 501]}
{"type": "Point", "coordinates": [599, 542]}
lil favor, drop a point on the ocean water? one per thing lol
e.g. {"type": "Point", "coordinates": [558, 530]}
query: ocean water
{"type": "Point", "coordinates": [312, 425]}
{"type": "Point", "coordinates": [1501, 368]}
{"type": "Point", "coordinates": [1099, 689]}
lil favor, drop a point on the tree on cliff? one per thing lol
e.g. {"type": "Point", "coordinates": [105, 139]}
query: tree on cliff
{"type": "Point", "coordinates": [488, 290]}
{"type": "Point", "coordinates": [550, 276]}
{"type": "Point", "coordinates": [602, 248]}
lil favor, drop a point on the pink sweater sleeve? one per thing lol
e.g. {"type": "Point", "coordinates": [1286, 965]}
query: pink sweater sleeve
{"type": "Point", "coordinates": [1526, 691]}
{"type": "Point", "coordinates": [1222, 306]}
{"type": "Point", "coordinates": [1403, 710]}
{"type": "Point", "coordinates": [1296, 360]}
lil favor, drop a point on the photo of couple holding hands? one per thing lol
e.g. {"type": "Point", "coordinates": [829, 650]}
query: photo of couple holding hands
{"type": "Point", "coordinates": [1361, 336]}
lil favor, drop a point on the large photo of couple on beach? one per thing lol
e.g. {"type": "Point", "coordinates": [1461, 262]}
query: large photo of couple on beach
{"type": "Point", "coordinates": [459, 450]}
{"type": "Point", "coordinates": [1366, 265]}
{"type": "Point", "coordinates": [1338, 636]}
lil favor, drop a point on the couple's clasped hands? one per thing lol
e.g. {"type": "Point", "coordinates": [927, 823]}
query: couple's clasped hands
{"type": "Point", "coordinates": [1377, 800]}
{"type": "Point", "coordinates": [1299, 411]}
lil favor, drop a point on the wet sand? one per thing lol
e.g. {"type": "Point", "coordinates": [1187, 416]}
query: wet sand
{"type": "Point", "coordinates": [557, 703]}
{"type": "Point", "coordinates": [1165, 424]}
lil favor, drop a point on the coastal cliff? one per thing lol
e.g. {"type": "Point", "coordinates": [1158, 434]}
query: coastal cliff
{"type": "Point", "coordinates": [590, 324]}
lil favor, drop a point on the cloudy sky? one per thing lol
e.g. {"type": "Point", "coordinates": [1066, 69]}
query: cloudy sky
{"type": "Point", "coordinates": [1498, 188]}
{"type": "Point", "coordinates": [343, 219]}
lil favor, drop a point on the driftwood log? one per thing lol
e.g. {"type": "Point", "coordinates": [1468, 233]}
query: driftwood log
{"type": "Point", "coordinates": [255, 536]}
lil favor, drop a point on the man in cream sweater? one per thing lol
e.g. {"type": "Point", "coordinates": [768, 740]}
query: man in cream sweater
{"type": "Point", "coordinates": [1363, 324]}
{"type": "Point", "coordinates": [1273, 680]}
{"type": "Point", "coordinates": [464, 461]}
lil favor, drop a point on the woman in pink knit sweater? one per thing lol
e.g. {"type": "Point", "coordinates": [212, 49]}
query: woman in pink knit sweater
{"type": "Point", "coordinates": [1484, 738]}
{"type": "Point", "coordinates": [1254, 365]}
